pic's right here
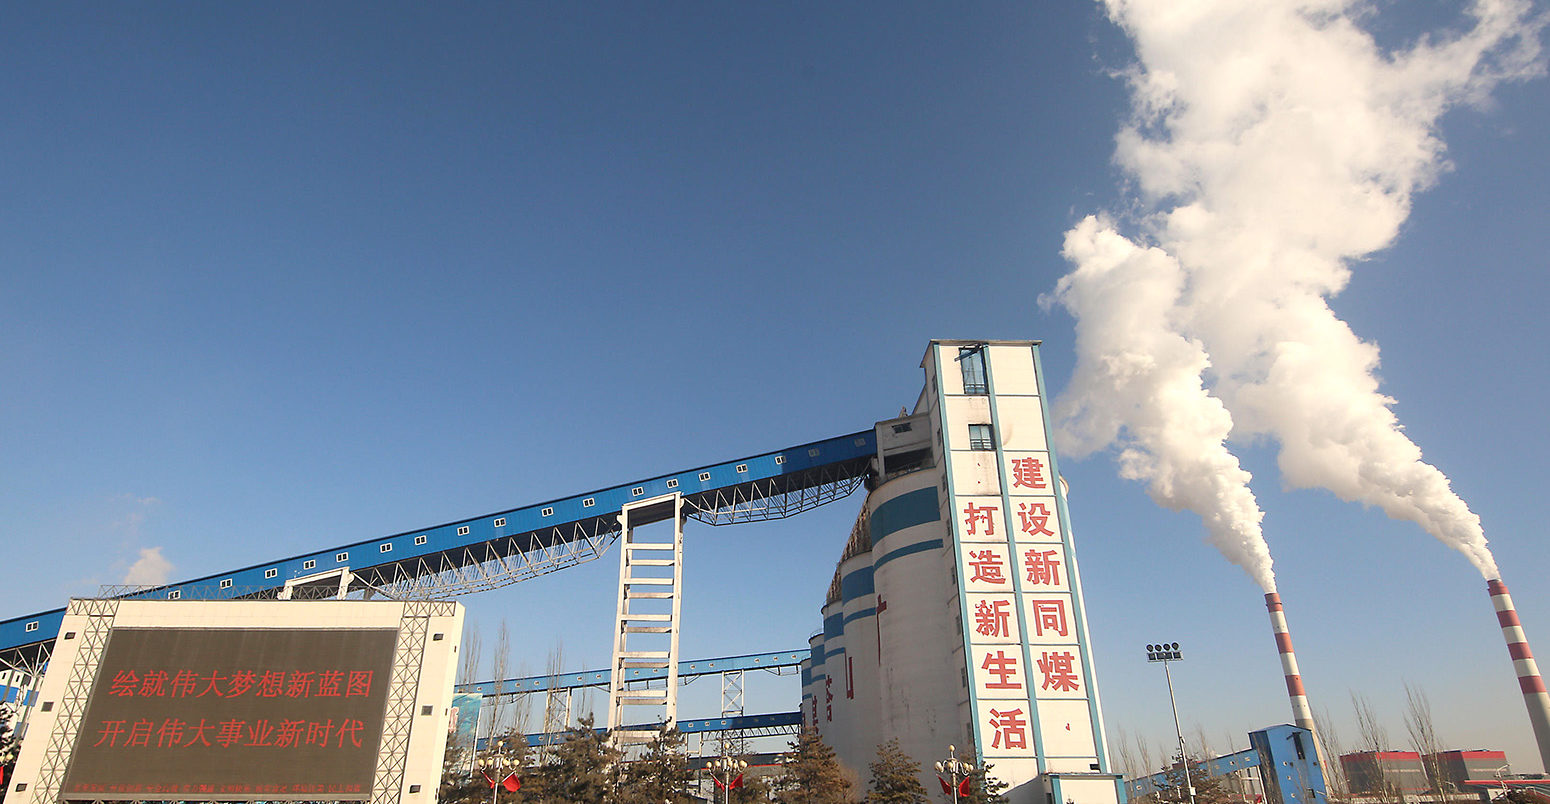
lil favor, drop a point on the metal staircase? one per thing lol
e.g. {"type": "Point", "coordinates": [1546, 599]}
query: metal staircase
{"type": "Point", "coordinates": [646, 626]}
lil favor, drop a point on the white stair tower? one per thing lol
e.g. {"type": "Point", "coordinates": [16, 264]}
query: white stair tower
{"type": "Point", "coordinates": [646, 627]}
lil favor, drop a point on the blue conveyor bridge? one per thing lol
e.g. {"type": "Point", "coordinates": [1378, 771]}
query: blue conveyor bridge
{"type": "Point", "coordinates": [494, 550]}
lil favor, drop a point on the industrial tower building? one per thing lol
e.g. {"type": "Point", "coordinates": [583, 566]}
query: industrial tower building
{"type": "Point", "coordinates": [955, 615]}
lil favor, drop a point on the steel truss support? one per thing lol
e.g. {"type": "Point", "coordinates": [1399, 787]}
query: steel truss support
{"type": "Point", "coordinates": [646, 625]}
{"type": "Point", "coordinates": [557, 709]}
{"type": "Point", "coordinates": [493, 564]}
{"type": "Point", "coordinates": [777, 497]}
{"type": "Point", "coordinates": [732, 742]}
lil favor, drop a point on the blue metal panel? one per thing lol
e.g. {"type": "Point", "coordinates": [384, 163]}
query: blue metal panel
{"type": "Point", "coordinates": [596, 678]}
{"type": "Point", "coordinates": [364, 556]}
{"type": "Point", "coordinates": [1289, 765]}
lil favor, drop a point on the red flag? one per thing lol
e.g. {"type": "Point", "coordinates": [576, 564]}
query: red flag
{"type": "Point", "coordinates": [487, 778]}
{"type": "Point", "coordinates": [947, 789]}
{"type": "Point", "coordinates": [512, 782]}
{"type": "Point", "coordinates": [720, 785]}
{"type": "Point", "coordinates": [738, 782]}
{"type": "Point", "coordinates": [963, 786]}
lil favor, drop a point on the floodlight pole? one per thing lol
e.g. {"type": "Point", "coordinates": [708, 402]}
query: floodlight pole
{"type": "Point", "coordinates": [1165, 653]}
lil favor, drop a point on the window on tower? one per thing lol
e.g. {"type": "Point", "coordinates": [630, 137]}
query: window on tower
{"type": "Point", "coordinates": [972, 359]}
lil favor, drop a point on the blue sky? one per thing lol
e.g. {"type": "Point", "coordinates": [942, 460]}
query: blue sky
{"type": "Point", "coordinates": [277, 277]}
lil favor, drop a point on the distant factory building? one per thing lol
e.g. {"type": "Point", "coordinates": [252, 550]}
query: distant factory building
{"type": "Point", "coordinates": [1385, 772]}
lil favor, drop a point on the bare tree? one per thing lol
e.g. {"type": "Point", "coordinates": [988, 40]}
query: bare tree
{"type": "Point", "coordinates": [1374, 738]}
{"type": "Point", "coordinates": [1334, 769]}
{"type": "Point", "coordinates": [1423, 734]}
{"type": "Point", "coordinates": [1205, 744]}
{"type": "Point", "coordinates": [1144, 750]}
{"type": "Point", "coordinates": [470, 649]}
{"type": "Point", "coordinates": [500, 666]}
{"type": "Point", "coordinates": [1127, 754]}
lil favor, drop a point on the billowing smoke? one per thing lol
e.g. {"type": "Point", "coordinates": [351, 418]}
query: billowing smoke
{"type": "Point", "coordinates": [1272, 146]}
{"type": "Point", "coordinates": [1139, 385]}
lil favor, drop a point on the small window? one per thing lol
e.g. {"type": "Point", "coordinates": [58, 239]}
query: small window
{"type": "Point", "coordinates": [384, 548]}
{"type": "Point", "coordinates": [500, 523]}
{"type": "Point", "coordinates": [903, 428]}
{"type": "Point", "coordinates": [780, 459]}
{"type": "Point", "coordinates": [414, 788]}
{"type": "Point", "coordinates": [32, 626]}
{"type": "Point", "coordinates": [48, 706]}
{"type": "Point", "coordinates": [418, 540]}
{"type": "Point", "coordinates": [972, 360]}
{"type": "Point", "coordinates": [547, 512]}
{"type": "Point", "coordinates": [226, 584]}
{"type": "Point", "coordinates": [69, 635]}
{"type": "Point", "coordinates": [462, 531]}
{"type": "Point", "coordinates": [342, 557]}
{"type": "Point", "coordinates": [20, 786]}
{"type": "Point", "coordinates": [672, 484]}
{"type": "Point", "coordinates": [588, 502]}
{"type": "Point", "coordinates": [271, 572]}
{"type": "Point", "coordinates": [742, 468]}
{"type": "Point", "coordinates": [812, 453]}
{"type": "Point", "coordinates": [861, 442]}
{"type": "Point", "coordinates": [437, 637]}
{"type": "Point", "coordinates": [704, 476]}
{"type": "Point", "coordinates": [309, 564]}
{"type": "Point", "coordinates": [426, 709]}
{"type": "Point", "coordinates": [176, 594]}
{"type": "Point", "coordinates": [981, 437]}
{"type": "Point", "coordinates": [637, 491]}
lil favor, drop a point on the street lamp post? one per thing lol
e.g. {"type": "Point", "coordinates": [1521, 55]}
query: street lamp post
{"type": "Point", "coordinates": [1166, 652]}
{"type": "Point", "coordinates": [955, 769]}
{"type": "Point", "coordinates": [494, 764]}
{"type": "Point", "coordinates": [722, 770]}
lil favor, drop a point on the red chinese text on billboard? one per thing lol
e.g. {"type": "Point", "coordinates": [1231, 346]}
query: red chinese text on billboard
{"type": "Point", "coordinates": [1033, 519]}
{"type": "Point", "coordinates": [1028, 473]}
{"type": "Point", "coordinates": [176, 733]}
{"type": "Point", "coordinates": [1009, 728]}
{"type": "Point", "coordinates": [976, 515]}
{"type": "Point", "coordinates": [986, 566]}
{"type": "Point", "coordinates": [260, 684]}
{"type": "Point", "coordinates": [1042, 566]}
{"type": "Point", "coordinates": [1003, 667]}
{"type": "Point", "coordinates": [1049, 616]}
{"type": "Point", "coordinates": [992, 618]}
{"type": "Point", "coordinates": [1059, 672]}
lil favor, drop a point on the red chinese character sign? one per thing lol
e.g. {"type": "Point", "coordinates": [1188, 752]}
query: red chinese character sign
{"type": "Point", "coordinates": [230, 714]}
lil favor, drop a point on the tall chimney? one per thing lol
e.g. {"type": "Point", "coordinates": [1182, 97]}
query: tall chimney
{"type": "Point", "coordinates": [1529, 680]}
{"type": "Point", "coordinates": [1301, 714]}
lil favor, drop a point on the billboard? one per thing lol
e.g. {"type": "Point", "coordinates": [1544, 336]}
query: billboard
{"type": "Point", "coordinates": [222, 713]}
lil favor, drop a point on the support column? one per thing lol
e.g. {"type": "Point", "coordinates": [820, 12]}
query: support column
{"type": "Point", "coordinates": [646, 625]}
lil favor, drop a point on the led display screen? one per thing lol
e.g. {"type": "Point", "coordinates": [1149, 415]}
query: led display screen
{"type": "Point", "coordinates": [225, 714]}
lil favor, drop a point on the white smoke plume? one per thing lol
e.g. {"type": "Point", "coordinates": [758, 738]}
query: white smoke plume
{"type": "Point", "coordinates": [1273, 145]}
{"type": "Point", "coordinates": [1139, 385]}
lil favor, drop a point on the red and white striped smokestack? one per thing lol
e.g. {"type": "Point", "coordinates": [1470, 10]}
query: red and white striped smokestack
{"type": "Point", "coordinates": [1301, 714]}
{"type": "Point", "coordinates": [1529, 680]}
